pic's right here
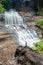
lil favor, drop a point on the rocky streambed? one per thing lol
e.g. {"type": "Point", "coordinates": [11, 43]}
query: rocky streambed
{"type": "Point", "coordinates": [24, 56]}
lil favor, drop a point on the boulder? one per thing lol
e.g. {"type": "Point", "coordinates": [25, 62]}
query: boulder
{"type": "Point", "coordinates": [27, 56]}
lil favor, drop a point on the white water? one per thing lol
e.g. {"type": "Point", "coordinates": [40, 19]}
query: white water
{"type": "Point", "coordinates": [13, 18]}
{"type": "Point", "coordinates": [24, 36]}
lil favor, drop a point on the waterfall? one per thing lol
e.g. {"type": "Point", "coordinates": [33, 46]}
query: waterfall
{"type": "Point", "coordinates": [13, 18]}
{"type": "Point", "coordinates": [15, 23]}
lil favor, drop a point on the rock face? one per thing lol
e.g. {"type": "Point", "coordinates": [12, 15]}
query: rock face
{"type": "Point", "coordinates": [1, 17]}
{"type": "Point", "coordinates": [7, 47]}
{"type": "Point", "coordinates": [27, 56]}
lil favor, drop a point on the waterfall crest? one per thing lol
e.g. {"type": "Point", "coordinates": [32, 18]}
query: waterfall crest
{"type": "Point", "coordinates": [13, 18]}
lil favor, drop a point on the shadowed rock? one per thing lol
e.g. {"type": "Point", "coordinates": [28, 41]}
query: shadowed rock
{"type": "Point", "coordinates": [27, 56]}
{"type": "Point", "coordinates": [1, 17]}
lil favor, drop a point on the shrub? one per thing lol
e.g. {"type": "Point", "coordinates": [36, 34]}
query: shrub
{"type": "Point", "coordinates": [39, 23]}
{"type": "Point", "coordinates": [39, 48]}
{"type": "Point", "coordinates": [2, 9]}
{"type": "Point", "coordinates": [40, 12]}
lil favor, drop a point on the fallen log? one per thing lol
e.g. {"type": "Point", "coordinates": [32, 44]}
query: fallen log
{"type": "Point", "coordinates": [27, 56]}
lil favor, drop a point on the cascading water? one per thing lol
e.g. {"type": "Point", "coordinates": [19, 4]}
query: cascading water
{"type": "Point", "coordinates": [13, 18]}
{"type": "Point", "coordinates": [23, 36]}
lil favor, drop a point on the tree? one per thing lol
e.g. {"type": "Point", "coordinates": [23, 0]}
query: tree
{"type": "Point", "coordinates": [7, 3]}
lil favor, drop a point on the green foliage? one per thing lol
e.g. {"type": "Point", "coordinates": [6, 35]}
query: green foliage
{"type": "Point", "coordinates": [7, 3]}
{"type": "Point", "coordinates": [39, 23]}
{"type": "Point", "coordinates": [40, 12]}
{"type": "Point", "coordinates": [2, 9]}
{"type": "Point", "coordinates": [27, 0]}
{"type": "Point", "coordinates": [39, 48]}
